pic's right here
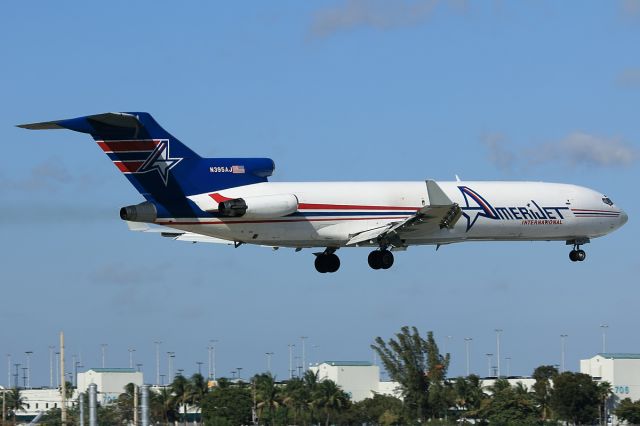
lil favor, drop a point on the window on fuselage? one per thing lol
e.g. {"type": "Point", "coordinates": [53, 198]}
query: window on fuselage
{"type": "Point", "coordinates": [607, 201]}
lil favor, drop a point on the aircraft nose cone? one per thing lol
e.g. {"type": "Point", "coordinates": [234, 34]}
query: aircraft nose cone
{"type": "Point", "coordinates": [623, 217]}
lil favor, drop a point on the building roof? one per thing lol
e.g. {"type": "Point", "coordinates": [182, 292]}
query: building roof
{"type": "Point", "coordinates": [113, 370]}
{"type": "Point", "coordinates": [348, 363]}
{"type": "Point", "coordinates": [619, 355]}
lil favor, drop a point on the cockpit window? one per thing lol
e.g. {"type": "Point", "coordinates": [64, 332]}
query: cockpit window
{"type": "Point", "coordinates": [607, 201]}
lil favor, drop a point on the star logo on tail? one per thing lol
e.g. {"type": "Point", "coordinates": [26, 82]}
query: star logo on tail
{"type": "Point", "coordinates": [161, 161]}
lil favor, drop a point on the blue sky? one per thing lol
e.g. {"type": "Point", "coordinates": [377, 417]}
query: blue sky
{"type": "Point", "coordinates": [335, 90]}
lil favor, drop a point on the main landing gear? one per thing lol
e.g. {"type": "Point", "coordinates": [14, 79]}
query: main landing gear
{"type": "Point", "coordinates": [381, 259]}
{"type": "Point", "coordinates": [577, 254]}
{"type": "Point", "coordinates": [327, 261]}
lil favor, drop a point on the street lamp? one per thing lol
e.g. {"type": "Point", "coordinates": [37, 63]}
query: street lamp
{"type": "Point", "coordinates": [28, 354]}
{"type": "Point", "coordinates": [131, 351]}
{"type": "Point", "coordinates": [239, 370]}
{"type": "Point", "coordinates": [212, 359]}
{"type": "Point", "coordinates": [104, 354]}
{"type": "Point", "coordinates": [467, 343]}
{"type": "Point", "coordinates": [489, 356]}
{"type": "Point", "coordinates": [508, 359]}
{"type": "Point", "coordinates": [562, 350]}
{"type": "Point", "coordinates": [269, 355]}
{"type": "Point", "coordinates": [291, 346]}
{"type": "Point", "coordinates": [304, 355]}
{"type": "Point", "coordinates": [199, 367]}
{"type": "Point", "coordinates": [498, 331]}
{"type": "Point", "coordinates": [604, 337]}
{"type": "Point", "coordinates": [158, 343]}
{"type": "Point", "coordinates": [170, 356]}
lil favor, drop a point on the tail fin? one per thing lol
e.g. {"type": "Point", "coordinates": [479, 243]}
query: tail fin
{"type": "Point", "coordinates": [158, 165]}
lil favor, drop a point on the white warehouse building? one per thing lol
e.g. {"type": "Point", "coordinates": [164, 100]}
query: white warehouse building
{"type": "Point", "coordinates": [110, 381]}
{"type": "Point", "coordinates": [360, 379]}
{"type": "Point", "coordinates": [621, 370]}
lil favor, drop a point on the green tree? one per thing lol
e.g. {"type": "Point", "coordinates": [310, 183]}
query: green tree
{"type": "Point", "coordinates": [229, 405]}
{"type": "Point", "coordinates": [543, 376]}
{"type": "Point", "coordinates": [267, 396]}
{"type": "Point", "coordinates": [329, 398]}
{"type": "Point", "coordinates": [416, 364]}
{"type": "Point", "coordinates": [15, 403]}
{"type": "Point", "coordinates": [629, 411]}
{"type": "Point", "coordinates": [510, 405]}
{"type": "Point", "coordinates": [295, 397]}
{"type": "Point", "coordinates": [198, 388]}
{"type": "Point", "coordinates": [181, 390]}
{"type": "Point", "coordinates": [605, 391]}
{"type": "Point", "coordinates": [574, 398]}
{"type": "Point", "coordinates": [162, 406]}
{"type": "Point", "coordinates": [468, 395]}
{"type": "Point", "coordinates": [381, 409]}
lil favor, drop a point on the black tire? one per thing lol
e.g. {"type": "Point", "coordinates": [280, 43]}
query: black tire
{"type": "Point", "coordinates": [573, 255]}
{"type": "Point", "coordinates": [374, 260]}
{"type": "Point", "coordinates": [320, 264]}
{"type": "Point", "coordinates": [333, 262]}
{"type": "Point", "coordinates": [386, 259]}
{"type": "Point", "coordinates": [581, 255]}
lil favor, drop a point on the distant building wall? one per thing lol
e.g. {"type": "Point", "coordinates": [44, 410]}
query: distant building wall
{"type": "Point", "coordinates": [110, 381]}
{"type": "Point", "coordinates": [357, 378]}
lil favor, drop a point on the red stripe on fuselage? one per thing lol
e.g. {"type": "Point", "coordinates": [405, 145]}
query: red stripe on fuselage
{"type": "Point", "coordinates": [128, 166]}
{"type": "Point", "coordinates": [219, 198]}
{"type": "Point", "coordinates": [128, 146]}
{"type": "Point", "coordinates": [308, 206]}
{"type": "Point", "coordinates": [271, 221]}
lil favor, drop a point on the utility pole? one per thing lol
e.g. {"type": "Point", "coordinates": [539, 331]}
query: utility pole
{"type": "Point", "coordinates": [489, 356]}
{"type": "Point", "coordinates": [498, 331]}
{"type": "Point", "coordinates": [8, 371]}
{"type": "Point", "coordinates": [57, 370]}
{"type": "Point", "coordinates": [63, 390]}
{"type": "Point", "coordinates": [199, 367]}
{"type": "Point", "coordinates": [467, 343]}
{"type": "Point", "coordinates": [508, 359]}
{"type": "Point", "coordinates": [157, 343]}
{"type": "Point", "coordinates": [562, 351]}
{"type": "Point", "coordinates": [171, 356]}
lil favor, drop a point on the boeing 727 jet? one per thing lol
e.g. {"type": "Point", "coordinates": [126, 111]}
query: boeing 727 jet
{"type": "Point", "coordinates": [231, 201]}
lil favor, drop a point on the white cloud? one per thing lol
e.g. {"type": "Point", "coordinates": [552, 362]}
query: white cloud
{"type": "Point", "coordinates": [576, 149]}
{"type": "Point", "coordinates": [377, 14]}
{"type": "Point", "coordinates": [629, 78]}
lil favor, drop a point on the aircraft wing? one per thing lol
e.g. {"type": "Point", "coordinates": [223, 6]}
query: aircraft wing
{"type": "Point", "coordinates": [441, 213]}
{"type": "Point", "coordinates": [176, 234]}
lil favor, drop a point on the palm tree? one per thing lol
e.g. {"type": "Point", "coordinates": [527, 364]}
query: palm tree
{"type": "Point", "coordinates": [15, 402]}
{"type": "Point", "coordinates": [267, 395]}
{"type": "Point", "coordinates": [329, 397]}
{"type": "Point", "coordinates": [162, 404]}
{"type": "Point", "coordinates": [180, 388]}
{"type": "Point", "coordinates": [296, 397]}
{"type": "Point", "coordinates": [604, 392]}
{"type": "Point", "coordinates": [198, 388]}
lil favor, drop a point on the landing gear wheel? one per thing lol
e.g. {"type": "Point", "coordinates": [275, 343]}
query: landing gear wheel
{"type": "Point", "coordinates": [327, 262]}
{"type": "Point", "coordinates": [380, 259]}
{"type": "Point", "coordinates": [577, 255]}
{"type": "Point", "coordinates": [573, 255]}
{"type": "Point", "coordinates": [386, 259]}
{"type": "Point", "coordinates": [581, 255]}
{"type": "Point", "coordinates": [374, 260]}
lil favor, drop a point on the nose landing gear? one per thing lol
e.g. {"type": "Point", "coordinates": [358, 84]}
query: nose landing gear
{"type": "Point", "coordinates": [577, 254]}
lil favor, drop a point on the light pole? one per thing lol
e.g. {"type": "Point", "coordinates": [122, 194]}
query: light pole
{"type": "Point", "coordinates": [498, 331]}
{"type": "Point", "coordinates": [199, 367]}
{"type": "Point", "coordinates": [104, 354]}
{"type": "Point", "coordinates": [304, 355]}
{"type": "Point", "coordinates": [139, 367]}
{"type": "Point", "coordinates": [446, 344]}
{"type": "Point", "coordinates": [489, 356]}
{"type": "Point", "coordinates": [171, 356]}
{"type": "Point", "coordinates": [467, 343]}
{"type": "Point", "coordinates": [508, 359]}
{"type": "Point", "coordinates": [604, 337]}
{"type": "Point", "coordinates": [562, 351]}
{"type": "Point", "coordinates": [8, 371]}
{"type": "Point", "coordinates": [158, 343]}
{"type": "Point", "coordinates": [131, 351]}
{"type": "Point", "coordinates": [291, 346]}
{"type": "Point", "coordinates": [212, 359]}
{"type": "Point", "coordinates": [28, 355]}
{"type": "Point", "coordinates": [239, 370]}
{"type": "Point", "coordinates": [51, 348]}
{"type": "Point", "coordinates": [57, 369]}
{"type": "Point", "coordinates": [269, 355]}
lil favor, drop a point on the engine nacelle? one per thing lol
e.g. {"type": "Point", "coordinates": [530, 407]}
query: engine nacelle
{"type": "Point", "coordinates": [260, 207]}
{"type": "Point", "coordinates": [143, 212]}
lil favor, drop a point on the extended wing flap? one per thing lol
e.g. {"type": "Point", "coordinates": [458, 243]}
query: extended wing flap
{"type": "Point", "coordinates": [441, 213]}
{"type": "Point", "coordinates": [176, 234]}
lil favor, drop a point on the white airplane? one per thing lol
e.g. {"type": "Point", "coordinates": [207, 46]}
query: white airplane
{"type": "Point", "coordinates": [230, 201]}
